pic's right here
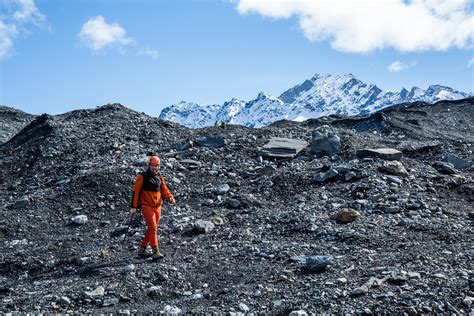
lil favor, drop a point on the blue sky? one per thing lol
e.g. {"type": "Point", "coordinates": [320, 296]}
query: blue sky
{"type": "Point", "coordinates": [57, 56]}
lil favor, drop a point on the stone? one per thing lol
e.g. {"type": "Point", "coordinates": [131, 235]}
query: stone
{"type": "Point", "coordinates": [221, 189]}
{"type": "Point", "coordinates": [212, 142]}
{"type": "Point", "coordinates": [218, 221]}
{"type": "Point", "coordinates": [456, 161]}
{"type": "Point", "coordinates": [191, 164]}
{"type": "Point", "coordinates": [95, 294]}
{"type": "Point", "coordinates": [153, 291]}
{"type": "Point", "coordinates": [414, 275]}
{"type": "Point", "coordinates": [82, 261]}
{"type": "Point", "coordinates": [350, 175]}
{"type": "Point", "coordinates": [394, 168]}
{"type": "Point", "coordinates": [324, 141]}
{"type": "Point", "coordinates": [79, 219]}
{"type": "Point", "coordinates": [394, 179]}
{"type": "Point", "coordinates": [273, 219]}
{"type": "Point", "coordinates": [468, 301]}
{"type": "Point", "coordinates": [391, 209]}
{"type": "Point", "coordinates": [171, 310]}
{"type": "Point", "coordinates": [110, 302]}
{"type": "Point", "coordinates": [203, 227]}
{"type": "Point", "coordinates": [361, 290]}
{"type": "Point", "coordinates": [233, 203]}
{"type": "Point", "coordinates": [316, 264]}
{"type": "Point", "coordinates": [185, 145]}
{"type": "Point", "coordinates": [244, 308]}
{"type": "Point", "coordinates": [383, 153]}
{"type": "Point", "coordinates": [283, 147]}
{"type": "Point", "coordinates": [444, 167]}
{"type": "Point", "coordinates": [20, 203]}
{"type": "Point", "coordinates": [324, 176]}
{"type": "Point", "coordinates": [298, 313]}
{"type": "Point", "coordinates": [346, 215]}
{"type": "Point", "coordinates": [64, 301]}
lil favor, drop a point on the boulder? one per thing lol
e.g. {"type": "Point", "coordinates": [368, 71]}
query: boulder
{"type": "Point", "coordinates": [212, 142]}
{"type": "Point", "coordinates": [383, 153]}
{"type": "Point", "coordinates": [444, 167]}
{"type": "Point", "coordinates": [346, 215]}
{"type": "Point", "coordinates": [191, 164]}
{"type": "Point", "coordinates": [79, 219]}
{"type": "Point", "coordinates": [394, 168]}
{"type": "Point", "coordinates": [283, 147]}
{"type": "Point", "coordinates": [316, 264]}
{"type": "Point", "coordinates": [323, 176]}
{"type": "Point", "coordinates": [20, 203]}
{"type": "Point", "coordinates": [203, 227]}
{"type": "Point", "coordinates": [456, 161]}
{"type": "Point", "coordinates": [184, 145]}
{"type": "Point", "coordinates": [325, 142]}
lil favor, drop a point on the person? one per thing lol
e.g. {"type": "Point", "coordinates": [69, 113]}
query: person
{"type": "Point", "coordinates": [148, 192]}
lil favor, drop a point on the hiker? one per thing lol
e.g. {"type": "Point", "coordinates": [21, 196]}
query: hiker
{"type": "Point", "coordinates": [148, 192]}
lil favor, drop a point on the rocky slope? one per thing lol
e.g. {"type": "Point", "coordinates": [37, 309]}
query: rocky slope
{"type": "Point", "coordinates": [249, 233]}
{"type": "Point", "coordinates": [318, 96]}
{"type": "Point", "coordinates": [12, 121]}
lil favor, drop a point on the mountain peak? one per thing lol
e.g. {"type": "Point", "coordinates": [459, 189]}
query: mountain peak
{"type": "Point", "coordinates": [262, 95]}
{"type": "Point", "coordinates": [348, 76]}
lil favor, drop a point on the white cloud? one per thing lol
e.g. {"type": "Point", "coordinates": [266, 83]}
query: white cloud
{"type": "Point", "coordinates": [149, 52]}
{"type": "Point", "coordinates": [14, 19]}
{"type": "Point", "coordinates": [397, 66]}
{"type": "Point", "coordinates": [470, 62]}
{"type": "Point", "coordinates": [97, 34]}
{"type": "Point", "coordinates": [28, 12]}
{"type": "Point", "coordinates": [361, 26]}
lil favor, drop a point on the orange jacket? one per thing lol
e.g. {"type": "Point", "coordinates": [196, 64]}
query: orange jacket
{"type": "Point", "coordinates": [149, 189]}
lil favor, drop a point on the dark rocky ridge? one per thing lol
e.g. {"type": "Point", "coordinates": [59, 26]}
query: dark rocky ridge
{"type": "Point", "coordinates": [12, 121]}
{"type": "Point", "coordinates": [410, 251]}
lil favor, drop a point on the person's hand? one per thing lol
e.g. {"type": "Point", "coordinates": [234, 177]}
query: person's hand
{"type": "Point", "coordinates": [133, 210]}
{"type": "Point", "coordinates": [172, 201]}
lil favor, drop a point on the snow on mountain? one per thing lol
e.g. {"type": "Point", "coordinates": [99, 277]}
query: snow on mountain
{"type": "Point", "coordinates": [261, 111]}
{"type": "Point", "coordinates": [319, 96]}
{"type": "Point", "coordinates": [190, 114]}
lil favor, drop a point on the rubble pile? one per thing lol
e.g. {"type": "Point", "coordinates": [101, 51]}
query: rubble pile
{"type": "Point", "coordinates": [362, 215]}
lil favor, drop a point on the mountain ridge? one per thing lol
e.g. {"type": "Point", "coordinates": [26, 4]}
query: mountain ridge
{"type": "Point", "coordinates": [321, 95]}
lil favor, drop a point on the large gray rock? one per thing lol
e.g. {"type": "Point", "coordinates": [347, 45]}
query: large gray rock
{"type": "Point", "coordinates": [324, 141]}
{"type": "Point", "coordinates": [20, 203]}
{"type": "Point", "coordinates": [203, 227]}
{"type": "Point", "coordinates": [191, 164]}
{"type": "Point", "coordinates": [221, 189]}
{"type": "Point", "coordinates": [383, 153]}
{"type": "Point", "coordinates": [283, 147]}
{"type": "Point", "coordinates": [99, 292]}
{"type": "Point", "coordinates": [456, 161]}
{"type": "Point", "coordinates": [79, 219]}
{"type": "Point", "coordinates": [323, 176]}
{"type": "Point", "coordinates": [212, 142]}
{"type": "Point", "coordinates": [444, 167]}
{"type": "Point", "coordinates": [394, 168]}
{"type": "Point", "coordinates": [184, 145]}
{"type": "Point", "coordinates": [316, 264]}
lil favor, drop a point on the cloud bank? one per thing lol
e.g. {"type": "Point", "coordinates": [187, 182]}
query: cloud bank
{"type": "Point", "coordinates": [361, 26]}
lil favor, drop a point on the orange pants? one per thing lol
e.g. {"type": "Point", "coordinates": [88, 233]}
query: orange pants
{"type": "Point", "coordinates": [152, 219]}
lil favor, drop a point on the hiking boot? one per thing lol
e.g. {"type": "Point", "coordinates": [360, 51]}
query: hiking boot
{"type": "Point", "coordinates": [156, 253]}
{"type": "Point", "coordinates": [143, 253]}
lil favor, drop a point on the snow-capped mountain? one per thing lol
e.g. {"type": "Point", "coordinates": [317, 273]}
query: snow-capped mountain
{"type": "Point", "coordinates": [319, 96]}
{"type": "Point", "coordinates": [190, 114]}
